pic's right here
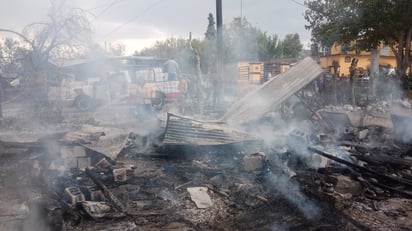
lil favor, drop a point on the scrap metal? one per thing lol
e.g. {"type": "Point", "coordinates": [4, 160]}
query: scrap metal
{"type": "Point", "coordinates": [184, 131]}
{"type": "Point", "coordinates": [271, 94]}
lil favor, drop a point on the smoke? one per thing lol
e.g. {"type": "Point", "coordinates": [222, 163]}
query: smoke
{"type": "Point", "coordinates": [388, 85]}
{"type": "Point", "coordinates": [279, 136]}
{"type": "Point", "coordinates": [44, 215]}
{"type": "Point", "coordinates": [291, 191]}
{"type": "Point", "coordinates": [402, 121]}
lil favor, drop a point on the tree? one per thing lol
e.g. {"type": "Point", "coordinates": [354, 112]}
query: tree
{"type": "Point", "coordinates": [211, 28]}
{"type": "Point", "coordinates": [368, 21]}
{"type": "Point", "coordinates": [164, 49]}
{"type": "Point", "coordinates": [66, 29]}
{"type": "Point", "coordinates": [291, 46]}
{"type": "Point", "coordinates": [270, 46]}
{"type": "Point", "coordinates": [207, 48]}
{"type": "Point", "coordinates": [11, 55]}
{"type": "Point", "coordinates": [398, 34]}
{"type": "Point", "coordinates": [241, 40]}
{"type": "Point", "coordinates": [246, 42]}
{"type": "Point", "coordinates": [172, 48]}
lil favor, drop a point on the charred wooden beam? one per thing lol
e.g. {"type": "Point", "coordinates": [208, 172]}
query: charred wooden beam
{"type": "Point", "coordinates": [151, 213]}
{"type": "Point", "coordinates": [361, 168]}
{"type": "Point", "coordinates": [381, 159]}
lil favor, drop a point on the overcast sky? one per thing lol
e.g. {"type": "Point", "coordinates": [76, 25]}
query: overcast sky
{"type": "Point", "coordinates": [139, 23]}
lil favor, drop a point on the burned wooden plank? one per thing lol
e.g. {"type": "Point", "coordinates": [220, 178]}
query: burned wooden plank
{"type": "Point", "coordinates": [382, 159]}
{"type": "Point", "coordinates": [395, 179]}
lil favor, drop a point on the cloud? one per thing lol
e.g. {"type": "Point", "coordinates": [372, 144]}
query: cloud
{"type": "Point", "coordinates": [146, 20]}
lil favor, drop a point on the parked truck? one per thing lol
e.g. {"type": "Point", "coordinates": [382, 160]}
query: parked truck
{"type": "Point", "coordinates": [148, 86]}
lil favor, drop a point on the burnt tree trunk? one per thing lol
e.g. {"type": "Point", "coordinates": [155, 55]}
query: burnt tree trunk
{"type": "Point", "coordinates": [352, 73]}
{"type": "Point", "coordinates": [374, 71]}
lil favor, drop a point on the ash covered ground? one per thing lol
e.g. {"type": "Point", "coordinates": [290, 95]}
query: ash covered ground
{"type": "Point", "coordinates": [111, 174]}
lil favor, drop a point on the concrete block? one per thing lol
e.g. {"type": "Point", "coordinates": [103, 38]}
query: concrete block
{"type": "Point", "coordinates": [120, 174]}
{"type": "Point", "coordinates": [94, 193]}
{"type": "Point", "coordinates": [200, 196]}
{"type": "Point", "coordinates": [319, 161]}
{"type": "Point", "coordinates": [363, 134]}
{"type": "Point", "coordinates": [74, 195]}
{"type": "Point", "coordinates": [253, 162]}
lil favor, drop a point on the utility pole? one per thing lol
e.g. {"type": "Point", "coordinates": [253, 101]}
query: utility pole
{"type": "Point", "coordinates": [241, 8]}
{"type": "Point", "coordinates": [219, 83]}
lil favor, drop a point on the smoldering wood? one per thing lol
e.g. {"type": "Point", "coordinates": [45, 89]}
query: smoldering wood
{"type": "Point", "coordinates": [362, 169]}
{"type": "Point", "coordinates": [377, 159]}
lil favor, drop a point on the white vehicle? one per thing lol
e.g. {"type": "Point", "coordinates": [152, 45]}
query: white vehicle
{"type": "Point", "coordinates": [153, 87]}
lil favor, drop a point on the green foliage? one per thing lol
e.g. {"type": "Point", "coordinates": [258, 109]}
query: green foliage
{"type": "Point", "coordinates": [333, 21]}
{"type": "Point", "coordinates": [270, 46]}
{"type": "Point", "coordinates": [12, 55]}
{"type": "Point", "coordinates": [241, 41]}
{"type": "Point", "coordinates": [172, 48]}
{"type": "Point", "coordinates": [211, 29]}
{"type": "Point", "coordinates": [165, 49]}
{"type": "Point", "coordinates": [371, 21]}
{"type": "Point", "coordinates": [291, 46]}
{"type": "Point", "coordinates": [207, 51]}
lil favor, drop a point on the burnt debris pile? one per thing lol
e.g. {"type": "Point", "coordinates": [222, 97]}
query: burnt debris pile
{"type": "Point", "coordinates": [286, 163]}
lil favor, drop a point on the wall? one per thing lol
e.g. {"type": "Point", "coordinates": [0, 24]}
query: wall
{"type": "Point", "coordinates": [364, 62]}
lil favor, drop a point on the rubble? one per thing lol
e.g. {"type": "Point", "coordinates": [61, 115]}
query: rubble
{"type": "Point", "coordinates": [206, 175]}
{"type": "Point", "coordinates": [200, 197]}
{"type": "Point", "coordinates": [254, 161]}
{"type": "Point", "coordinates": [362, 134]}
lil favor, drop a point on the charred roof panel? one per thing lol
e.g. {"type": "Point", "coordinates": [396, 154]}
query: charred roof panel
{"type": "Point", "coordinates": [185, 131]}
{"type": "Point", "coordinates": [269, 95]}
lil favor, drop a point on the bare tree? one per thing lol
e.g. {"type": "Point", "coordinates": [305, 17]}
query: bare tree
{"type": "Point", "coordinates": [66, 29]}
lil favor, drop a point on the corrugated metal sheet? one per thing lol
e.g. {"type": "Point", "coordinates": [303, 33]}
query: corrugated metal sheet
{"type": "Point", "coordinates": [185, 131]}
{"type": "Point", "coordinates": [268, 96]}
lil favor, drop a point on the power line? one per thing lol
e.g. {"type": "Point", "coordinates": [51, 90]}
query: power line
{"type": "Point", "coordinates": [133, 18]}
{"type": "Point", "coordinates": [108, 7]}
{"type": "Point", "coordinates": [300, 4]}
{"type": "Point", "coordinates": [97, 7]}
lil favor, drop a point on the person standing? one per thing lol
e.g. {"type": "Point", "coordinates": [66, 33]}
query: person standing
{"type": "Point", "coordinates": [171, 68]}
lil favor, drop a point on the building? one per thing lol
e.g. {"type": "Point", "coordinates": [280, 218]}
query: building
{"type": "Point", "coordinates": [342, 56]}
